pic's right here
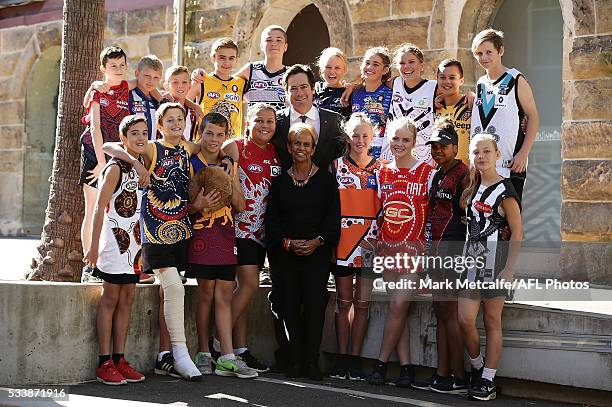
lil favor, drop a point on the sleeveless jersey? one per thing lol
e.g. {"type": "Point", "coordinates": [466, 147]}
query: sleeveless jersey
{"type": "Point", "coordinates": [257, 169]}
{"type": "Point", "coordinates": [119, 251]}
{"type": "Point", "coordinates": [266, 87]}
{"type": "Point", "coordinates": [214, 239]}
{"type": "Point", "coordinates": [376, 105]}
{"type": "Point", "coordinates": [224, 97]}
{"type": "Point", "coordinates": [164, 217]}
{"type": "Point", "coordinates": [329, 98]}
{"type": "Point", "coordinates": [114, 106]}
{"type": "Point", "coordinates": [497, 111]}
{"type": "Point", "coordinates": [485, 217]}
{"type": "Point", "coordinates": [359, 208]}
{"type": "Point", "coordinates": [461, 115]}
{"type": "Point", "coordinates": [418, 104]}
{"type": "Point", "coordinates": [146, 106]}
{"type": "Point", "coordinates": [444, 209]}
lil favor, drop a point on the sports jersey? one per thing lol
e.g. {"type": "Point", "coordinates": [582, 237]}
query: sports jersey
{"type": "Point", "coordinates": [257, 168]}
{"type": "Point", "coordinates": [146, 106]}
{"type": "Point", "coordinates": [497, 111]}
{"type": "Point", "coordinates": [164, 217]}
{"type": "Point", "coordinates": [113, 108]}
{"type": "Point", "coordinates": [461, 115]}
{"type": "Point", "coordinates": [329, 98]}
{"type": "Point", "coordinates": [418, 104]}
{"type": "Point", "coordinates": [266, 87]}
{"type": "Point", "coordinates": [359, 208]}
{"type": "Point", "coordinates": [119, 249]}
{"type": "Point", "coordinates": [214, 240]}
{"type": "Point", "coordinates": [376, 105]}
{"type": "Point", "coordinates": [224, 97]}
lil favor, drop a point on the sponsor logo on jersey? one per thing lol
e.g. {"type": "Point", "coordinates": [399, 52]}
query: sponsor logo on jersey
{"type": "Point", "coordinates": [103, 102]}
{"type": "Point", "coordinates": [131, 186]}
{"type": "Point", "coordinates": [483, 207]}
{"type": "Point", "coordinates": [422, 103]}
{"type": "Point", "coordinates": [275, 170]}
{"type": "Point", "coordinates": [256, 168]}
{"type": "Point", "coordinates": [397, 98]}
{"type": "Point", "coordinates": [398, 212]}
{"type": "Point", "coordinates": [232, 97]}
{"type": "Point", "coordinates": [372, 182]}
{"type": "Point", "coordinates": [260, 84]}
{"type": "Point", "coordinates": [442, 194]}
{"type": "Point", "coordinates": [386, 187]}
{"type": "Point", "coordinates": [213, 95]}
{"type": "Point", "coordinates": [345, 180]}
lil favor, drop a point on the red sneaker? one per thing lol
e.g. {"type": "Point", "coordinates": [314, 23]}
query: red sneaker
{"type": "Point", "coordinates": [108, 374]}
{"type": "Point", "coordinates": [130, 374]}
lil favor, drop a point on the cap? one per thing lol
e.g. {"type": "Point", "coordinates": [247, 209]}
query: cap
{"type": "Point", "coordinates": [443, 137]}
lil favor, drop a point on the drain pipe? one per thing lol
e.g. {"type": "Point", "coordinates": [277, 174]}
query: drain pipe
{"type": "Point", "coordinates": [179, 31]}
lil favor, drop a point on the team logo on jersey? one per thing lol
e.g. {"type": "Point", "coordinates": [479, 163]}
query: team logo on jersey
{"type": "Point", "coordinates": [234, 88]}
{"type": "Point", "coordinates": [213, 95]}
{"type": "Point", "coordinates": [256, 168]}
{"type": "Point", "coordinates": [483, 207]}
{"type": "Point", "coordinates": [372, 182]}
{"type": "Point", "coordinates": [345, 180]}
{"type": "Point", "coordinates": [386, 187]}
{"type": "Point", "coordinates": [138, 107]}
{"type": "Point", "coordinates": [397, 98]}
{"type": "Point", "coordinates": [103, 102]}
{"type": "Point", "coordinates": [275, 170]}
{"type": "Point", "coordinates": [442, 194]}
{"type": "Point", "coordinates": [232, 97]}
{"type": "Point", "coordinates": [260, 84]}
{"type": "Point", "coordinates": [131, 186]}
{"type": "Point", "coordinates": [398, 212]}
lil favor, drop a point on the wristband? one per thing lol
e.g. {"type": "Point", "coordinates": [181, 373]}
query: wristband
{"type": "Point", "coordinates": [229, 158]}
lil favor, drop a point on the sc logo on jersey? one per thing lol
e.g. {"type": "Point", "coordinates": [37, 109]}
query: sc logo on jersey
{"type": "Point", "coordinates": [398, 212]}
{"type": "Point", "coordinates": [256, 168]}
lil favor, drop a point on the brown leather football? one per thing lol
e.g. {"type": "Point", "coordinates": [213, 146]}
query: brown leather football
{"type": "Point", "coordinates": [212, 178]}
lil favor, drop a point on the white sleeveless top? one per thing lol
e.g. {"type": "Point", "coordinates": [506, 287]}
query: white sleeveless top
{"type": "Point", "coordinates": [266, 87]}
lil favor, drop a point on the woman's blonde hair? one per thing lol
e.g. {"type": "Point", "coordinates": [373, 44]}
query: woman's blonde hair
{"type": "Point", "coordinates": [299, 129]}
{"type": "Point", "coordinates": [474, 174]}
{"type": "Point", "coordinates": [329, 52]}
{"type": "Point", "coordinates": [403, 122]}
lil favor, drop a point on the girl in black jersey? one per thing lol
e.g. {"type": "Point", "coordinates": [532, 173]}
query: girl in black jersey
{"type": "Point", "coordinates": [333, 65]}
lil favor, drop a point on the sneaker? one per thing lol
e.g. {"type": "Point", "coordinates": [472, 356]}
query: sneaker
{"type": "Point", "coordinates": [204, 363]}
{"type": "Point", "coordinates": [483, 389]}
{"type": "Point", "coordinates": [165, 366]}
{"type": "Point", "coordinates": [339, 372]}
{"type": "Point", "coordinates": [473, 375]}
{"type": "Point", "coordinates": [379, 374]}
{"type": "Point", "coordinates": [108, 374]}
{"type": "Point", "coordinates": [406, 377]}
{"type": "Point", "coordinates": [425, 384]}
{"type": "Point", "coordinates": [234, 367]}
{"type": "Point", "coordinates": [145, 278]}
{"type": "Point", "coordinates": [252, 362]}
{"type": "Point", "coordinates": [450, 385]}
{"type": "Point", "coordinates": [127, 371]}
{"type": "Point", "coordinates": [356, 374]}
{"type": "Point", "coordinates": [211, 348]}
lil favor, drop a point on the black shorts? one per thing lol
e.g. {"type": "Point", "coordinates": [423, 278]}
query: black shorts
{"type": "Point", "coordinates": [346, 271]}
{"type": "Point", "coordinates": [116, 278]}
{"type": "Point", "coordinates": [87, 164]}
{"type": "Point", "coordinates": [158, 256]}
{"type": "Point", "coordinates": [250, 253]}
{"type": "Point", "coordinates": [518, 182]}
{"type": "Point", "coordinates": [207, 272]}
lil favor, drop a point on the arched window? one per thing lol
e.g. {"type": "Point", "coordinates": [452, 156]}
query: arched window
{"type": "Point", "coordinates": [307, 36]}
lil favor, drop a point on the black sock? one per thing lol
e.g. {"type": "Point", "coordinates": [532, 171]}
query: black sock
{"type": "Point", "coordinates": [407, 370]}
{"type": "Point", "coordinates": [355, 362]}
{"type": "Point", "coordinates": [116, 357]}
{"type": "Point", "coordinates": [102, 359]}
{"type": "Point", "coordinates": [380, 365]}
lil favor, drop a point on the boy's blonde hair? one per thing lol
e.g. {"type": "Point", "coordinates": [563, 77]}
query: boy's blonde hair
{"type": "Point", "coordinates": [329, 52]}
{"type": "Point", "coordinates": [495, 37]}
{"type": "Point", "coordinates": [151, 61]}
{"type": "Point", "coordinates": [163, 109]}
{"type": "Point", "coordinates": [225, 42]}
{"type": "Point", "coordinates": [175, 70]}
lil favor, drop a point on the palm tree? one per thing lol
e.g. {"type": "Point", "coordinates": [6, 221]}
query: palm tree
{"type": "Point", "coordinates": [60, 254]}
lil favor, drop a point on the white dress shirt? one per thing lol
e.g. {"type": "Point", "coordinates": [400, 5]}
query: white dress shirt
{"type": "Point", "coordinates": [312, 118]}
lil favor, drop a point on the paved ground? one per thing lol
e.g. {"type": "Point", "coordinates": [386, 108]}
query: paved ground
{"type": "Point", "coordinates": [266, 391]}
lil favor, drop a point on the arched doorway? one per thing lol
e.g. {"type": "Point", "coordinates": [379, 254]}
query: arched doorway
{"type": "Point", "coordinates": [534, 45]}
{"type": "Point", "coordinates": [41, 113]}
{"type": "Point", "coordinates": [307, 36]}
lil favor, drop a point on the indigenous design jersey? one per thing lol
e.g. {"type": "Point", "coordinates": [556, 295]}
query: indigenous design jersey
{"type": "Point", "coordinates": [359, 208]}
{"type": "Point", "coordinates": [113, 108]}
{"type": "Point", "coordinates": [164, 217]}
{"type": "Point", "coordinates": [266, 87]}
{"type": "Point", "coordinates": [329, 98]}
{"type": "Point", "coordinates": [257, 168]}
{"type": "Point", "coordinates": [119, 251]}
{"type": "Point", "coordinates": [214, 239]}
{"type": "Point", "coordinates": [444, 209]}
{"type": "Point", "coordinates": [418, 104]}
{"type": "Point", "coordinates": [224, 97]}
{"type": "Point", "coordinates": [486, 217]}
{"type": "Point", "coordinates": [146, 106]}
{"type": "Point", "coordinates": [376, 105]}
{"type": "Point", "coordinates": [461, 115]}
{"type": "Point", "coordinates": [497, 112]}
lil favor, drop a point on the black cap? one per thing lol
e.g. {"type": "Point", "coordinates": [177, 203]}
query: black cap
{"type": "Point", "coordinates": [443, 137]}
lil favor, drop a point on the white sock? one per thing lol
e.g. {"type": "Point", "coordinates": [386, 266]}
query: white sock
{"type": "Point", "coordinates": [229, 356]}
{"type": "Point", "coordinates": [240, 351]}
{"type": "Point", "coordinates": [478, 362]}
{"type": "Point", "coordinates": [183, 363]}
{"type": "Point", "coordinates": [161, 354]}
{"type": "Point", "coordinates": [206, 354]}
{"type": "Point", "coordinates": [174, 303]}
{"type": "Point", "coordinates": [488, 374]}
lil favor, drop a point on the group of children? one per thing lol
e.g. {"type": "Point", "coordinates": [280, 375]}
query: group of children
{"type": "Point", "coordinates": [405, 176]}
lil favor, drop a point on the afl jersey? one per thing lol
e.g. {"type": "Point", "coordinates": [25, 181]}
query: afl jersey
{"type": "Point", "coordinates": [119, 251]}
{"type": "Point", "coordinates": [359, 208]}
{"type": "Point", "coordinates": [418, 104]}
{"type": "Point", "coordinates": [257, 168]}
{"type": "Point", "coordinates": [497, 112]}
{"type": "Point", "coordinates": [329, 98]}
{"type": "Point", "coordinates": [486, 217]}
{"type": "Point", "coordinates": [146, 106]}
{"type": "Point", "coordinates": [444, 209]}
{"type": "Point", "coordinates": [266, 87]}
{"type": "Point", "coordinates": [164, 217]}
{"type": "Point", "coordinates": [461, 115]}
{"type": "Point", "coordinates": [376, 105]}
{"type": "Point", "coordinates": [224, 97]}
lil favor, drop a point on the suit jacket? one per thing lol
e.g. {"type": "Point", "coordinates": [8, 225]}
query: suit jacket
{"type": "Point", "coordinates": [332, 141]}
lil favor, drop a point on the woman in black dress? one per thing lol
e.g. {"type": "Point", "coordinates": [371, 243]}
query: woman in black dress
{"type": "Point", "coordinates": [302, 228]}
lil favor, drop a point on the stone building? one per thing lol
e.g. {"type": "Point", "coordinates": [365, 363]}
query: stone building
{"type": "Point", "coordinates": [564, 47]}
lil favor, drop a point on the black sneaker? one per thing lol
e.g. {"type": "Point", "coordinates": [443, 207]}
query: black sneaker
{"type": "Point", "coordinates": [406, 377]}
{"type": "Point", "coordinates": [340, 370]}
{"type": "Point", "coordinates": [483, 389]}
{"type": "Point", "coordinates": [252, 362]}
{"type": "Point", "coordinates": [165, 366]}
{"type": "Point", "coordinates": [473, 375]}
{"type": "Point", "coordinates": [356, 374]}
{"type": "Point", "coordinates": [379, 373]}
{"type": "Point", "coordinates": [426, 383]}
{"type": "Point", "coordinates": [450, 385]}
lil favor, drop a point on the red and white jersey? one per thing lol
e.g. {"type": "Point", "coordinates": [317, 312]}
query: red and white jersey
{"type": "Point", "coordinates": [257, 168]}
